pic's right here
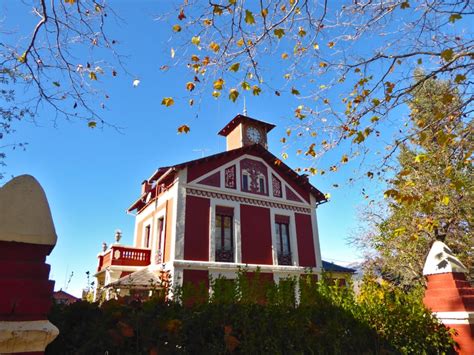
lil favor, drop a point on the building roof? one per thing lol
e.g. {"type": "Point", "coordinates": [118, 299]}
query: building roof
{"type": "Point", "coordinates": [143, 278]}
{"type": "Point", "coordinates": [238, 119]}
{"type": "Point", "coordinates": [331, 267]}
{"type": "Point", "coordinates": [64, 295]}
{"type": "Point", "coordinates": [257, 149]}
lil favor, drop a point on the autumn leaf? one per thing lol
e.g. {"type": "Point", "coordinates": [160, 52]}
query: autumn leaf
{"type": "Point", "coordinates": [190, 86]}
{"type": "Point", "coordinates": [233, 94]}
{"type": "Point", "coordinates": [232, 2]}
{"type": "Point", "coordinates": [181, 15]}
{"type": "Point", "coordinates": [92, 76]}
{"type": "Point", "coordinates": [256, 90]}
{"type": "Point", "coordinates": [183, 129]}
{"type": "Point", "coordinates": [447, 54]}
{"type": "Point", "coordinates": [214, 47]}
{"type": "Point", "coordinates": [92, 124]}
{"type": "Point", "coordinates": [245, 85]}
{"type": "Point", "coordinates": [176, 28]}
{"type": "Point", "coordinates": [445, 200]}
{"type": "Point", "coordinates": [284, 56]}
{"type": "Point", "coordinates": [56, 83]}
{"type": "Point", "coordinates": [316, 46]}
{"type": "Point", "coordinates": [22, 58]}
{"type": "Point", "coordinates": [301, 32]}
{"type": "Point", "coordinates": [207, 22]}
{"type": "Point", "coordinates": [216, 94]}
{"type": "Point", "coordinates": [311, 150]}
{"type": "Point", "coordinates": [167, 101]}
{"type": "Point", "coordinates": [459, 78]}
{"type": "Point", "coordinates": [71, 2]}
{"type": "Point", "coordinates": [217, 10]}
{"type": "Point", "coordinates": [344, 159]}
{"type": "Point", "coordinates": [294, 91]}
{"type": "Point", "coordinates": [234, 67]}
{"type": "Point", "coordinates": [323, 65]}
{"type": "Point", "coordinates": [218, 84]}
{"type": "Point", "coordinates": [264, 12]}
{"type": "Point", "coordinates": [136, 82]}
{"type": "Point", "coordinates": [196, 40]}
{"type": "Point", "coordinates": [249, 17]}
{"type": "Point", "coordinates": [240, 42]}
{"type": "Point", "coordinates": [331, 44]}
{"type": "Point", "coordinates": [454, 17]}
{"type": "Point", "coordinates": [404, 5]}
{"type": "Point", "coordinates": [279, 32]}
{"type": "Point", "coordinates": [284, 156]}
{"type": "Point", "coordinates": [194, 58]}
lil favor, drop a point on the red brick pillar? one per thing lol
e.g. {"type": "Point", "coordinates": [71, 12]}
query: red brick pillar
{"type": "Point", "coordinates": [27, 236]}
{"type": "Point", "coordinates": [449, 296]}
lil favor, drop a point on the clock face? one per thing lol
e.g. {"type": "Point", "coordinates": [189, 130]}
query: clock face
{"type": "Point", "coordinates": [253, 134]}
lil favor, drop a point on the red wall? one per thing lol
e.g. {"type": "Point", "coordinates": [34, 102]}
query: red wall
{"type": "Point", "coordinates": [256, 237]}
{"type": "Point", "coordinates": [196, 277]}
{"type": "Point", "coordinates": [304, 233]}
{"type": "Point", "coordinates": [196, 230]}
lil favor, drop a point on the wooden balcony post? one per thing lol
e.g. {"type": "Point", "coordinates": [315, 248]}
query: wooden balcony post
{"type": "Point", "coordinates": [27, 236]}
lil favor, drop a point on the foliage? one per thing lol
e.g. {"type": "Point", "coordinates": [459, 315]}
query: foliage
{"type": "Point", "coordinates": [236, 318]}
{"type": "Point", "coordinates": [431, 195]}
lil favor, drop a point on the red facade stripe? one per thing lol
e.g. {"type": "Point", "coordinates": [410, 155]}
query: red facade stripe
{"type": "Point", "coordinates": [304, 233]}
{"type": "Point", "coordinates": [196, 231]}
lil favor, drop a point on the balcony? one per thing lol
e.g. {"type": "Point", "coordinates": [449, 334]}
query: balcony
{"type": "Point", "coordinates": [284, 259]}
{"type": "Point", "coordinates": [124, 256]}
{"type": "Point", "coordinates": [225, 255]}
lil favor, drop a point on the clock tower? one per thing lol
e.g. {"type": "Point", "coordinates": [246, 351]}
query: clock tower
{"type": "Point", "coordinates": [242, 131]}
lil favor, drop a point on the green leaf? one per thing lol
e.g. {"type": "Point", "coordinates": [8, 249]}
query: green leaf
{"type": "Point", "coordinates": [447, 54]}
{"type": "Point", "coordinates": [445, 200]}
{"type": "Point", "coordinates": [56, 83]}
{"type": "Point", "coordinates": [233, 94]}
{"type": "Point", "coordinates": [234, 67]}
{"type": "Point", "coordinates": [249, 17]}
{"type": "Point", "coordinates": [459, 78]}
{"type": "Point", "coordinates": [279, 32]}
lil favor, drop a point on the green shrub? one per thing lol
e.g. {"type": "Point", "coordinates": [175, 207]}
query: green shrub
{"type": "Point", "coordinates": [250, 316]}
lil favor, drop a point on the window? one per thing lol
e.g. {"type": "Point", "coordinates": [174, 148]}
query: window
{"type": "Point", "coordinates": [224, 240]}
{"type": "Point", "coordinates": [147, 236]}
{"type": "Point", "coordinates": [282, 232]}
{"type": "Point", "coordinates": [245, 182]}
{"type": "Point", "coordinates": [159, 252]}
{"type": "Point", "coordinates": [261, 184]}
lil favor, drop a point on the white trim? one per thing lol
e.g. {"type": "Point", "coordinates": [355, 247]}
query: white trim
{"type": "Point", "coordinates": [178, 221]}
{"type": "Point", "coordinates": [317, 247]}
{"type": "Point", "coordinates": [292, 231]}
{"type": "Point", "coordinates": [455, 317]}
{"type": "Point", "coordinates": [156, 237]}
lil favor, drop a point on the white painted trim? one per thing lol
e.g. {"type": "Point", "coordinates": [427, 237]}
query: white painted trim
{"type": "Point", "coordinates": [156, 236]}
{"type": "Point", "coordinates": [455, 317]}
{"type": "Point", "coordinates": [317, 247]}
{"type": "Point", "coordinates": [210, 265]}
{"type": "Point", "coordinates": [179, 211]}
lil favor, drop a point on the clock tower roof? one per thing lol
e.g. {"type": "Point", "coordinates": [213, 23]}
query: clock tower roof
{"type": "Point", "coordinates": [237, 120]}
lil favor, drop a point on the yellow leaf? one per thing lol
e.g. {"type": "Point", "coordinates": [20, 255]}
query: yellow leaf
{"type": "Point", "coordinates": [256, 90]}
{"type": "Point", "coordinates": [284, 56]}
{"type": "Point", "coordinates": [245, 85]}
{"type": "Point", "coordinates": [190, 86]}
{"type": "Point", "coordinates": [301, 32]}
{"type": "Point", "coordinates": [176, 28]}
{"type": "Point", "coordinates": [195, 58]}
{"type": "Point", "coordinates": [331, 44]}
{"type": "Point", "coordinates": [454, 17]}
{"type": "Point", "coordinates": [232, 2]}
{"type": "Point", "coordinates": [214, 46]}
{"type": "Point", "coordinates": [216, 94]}
{"type": "Point", "coordinates": [92, 76]}
{"type": "Point", "coordinates": [445, 200]}
{"type": "Point", "coordinates": [172, 52]}
{"type": "Point", "coordinates": [22, 58]}
{"type": "Point", "coordinates": [218, 84]}
{"type": "Point", "coordinates": [70, 1]}
{"type": "Point", "coordinates": [419, 158]}
{"type": "Point", "coordinates": [264, 12]}
{"type": "Point", "coordinates": [316, 46]}
{"type": "Point", "coordinates": [459, 78]}
{"type": "Point", "coordinates": [323, 65]}
{"type": "Point", "coordinates": [279, 32]}
{"type": "Point", "coordinates": [183, 129]}
{"type": "Point", "coordinates": [234, 67]}
{"type": "Point", "coordinates": [97, 8]}
{"type": "Point", "coordinates": [249, 17]}
{"type": "Point", "coordinates": [240, 42]}
{"type": "Point", "coordinates": [344, 159]}
{"type": "Point", "coordinates": [284, 156]}
{"type": "Point", "coordinates": [207, 22]}
{"type": "Point", "coordinates": [233, 94]}
{"type": "Point", "coordinates": [196, 40]}
{"type": "Point", "coordinates": [217, 10]}
{"type": "Point", "coordinates": [327, 196]}
{"type": "Point", "coordinates": [167, 101]}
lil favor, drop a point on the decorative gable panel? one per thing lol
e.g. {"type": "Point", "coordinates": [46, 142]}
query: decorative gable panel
{"type": "Point", "coordinates": [212, 180]}
{"type": "Point", "coordinates": [290, 195]}
{"type": "Point", "coordinates": [230, 178]}
{"type": "Point", "coordinates": [254, 176]}
{"type": "Point", "coordinates": [276, 187]}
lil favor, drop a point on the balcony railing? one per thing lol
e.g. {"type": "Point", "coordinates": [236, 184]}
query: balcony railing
{"type": "Point", "coordinates": [284, 259]}
{"type": "Point", "coordinates": [225, 255]}
{"type": "Point", "coordinates": [124, 256]}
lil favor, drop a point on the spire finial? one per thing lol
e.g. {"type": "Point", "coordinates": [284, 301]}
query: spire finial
{"type": "Point", "coordinates": [245, 108]}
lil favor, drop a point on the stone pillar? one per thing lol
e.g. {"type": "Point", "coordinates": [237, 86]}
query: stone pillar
{"type": "Point", "coordinates": [27, 236]}
{"type": "Point", "coordinates": [449, 295]}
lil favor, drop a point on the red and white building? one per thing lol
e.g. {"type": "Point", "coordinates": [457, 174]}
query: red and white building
{"type": "Point", "coordinates": [207, 217]}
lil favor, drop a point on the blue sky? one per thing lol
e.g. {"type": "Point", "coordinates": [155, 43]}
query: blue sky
{"type": "Point", "coordinates": [91, 176]}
